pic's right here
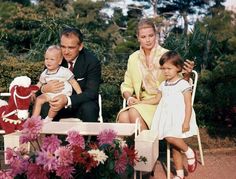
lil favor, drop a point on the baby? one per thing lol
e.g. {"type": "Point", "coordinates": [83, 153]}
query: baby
{"type": "Point", "coordinates": [53, 71]}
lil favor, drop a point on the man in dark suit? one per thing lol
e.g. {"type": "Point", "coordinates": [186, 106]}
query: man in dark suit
{"type": "Point", "coordinates": [87, 71]}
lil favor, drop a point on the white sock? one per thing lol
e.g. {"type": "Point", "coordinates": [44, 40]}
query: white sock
{"type": "Point", "coordinates": [180, 173]}
{"type": "Point", "coordinates": [190, 156]}
{"type": "Point", "coordinates": [47, 119]}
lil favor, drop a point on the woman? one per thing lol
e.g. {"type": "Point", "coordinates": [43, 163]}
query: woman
{"type": "Point", "coordinates": [143, 76]}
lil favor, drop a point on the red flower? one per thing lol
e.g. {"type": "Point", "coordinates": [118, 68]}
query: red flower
{"type": "Point", "coordinates": [132, 155]}
{"type": "Point", "coordinates": [83, 158]}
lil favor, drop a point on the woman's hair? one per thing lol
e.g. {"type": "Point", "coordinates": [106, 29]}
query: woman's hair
{"type": "Point", "coordinates": [145, 23]}
{"type": "Point", "coordinates": [69, 31]}
{"type": "Point", "coordinates": [172, 57]}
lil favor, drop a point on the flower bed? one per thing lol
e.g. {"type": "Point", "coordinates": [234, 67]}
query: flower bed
{"type": "Point", "coordinates": [106, 157]}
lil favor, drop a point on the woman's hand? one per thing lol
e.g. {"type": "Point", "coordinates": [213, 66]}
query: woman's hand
{"type": "Point", "coordinates": [53, 86]}
{"type": "Point", "coordinates": [132, 100]}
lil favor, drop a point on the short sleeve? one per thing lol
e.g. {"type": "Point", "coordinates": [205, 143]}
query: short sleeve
{"type": "Point", "coordinates": [160, 89]}
{"type": "Point", "coordinates": [184, 86]}
{"type": "Point", "coordinates": [68, 74]}
{"type": "Point", "coordinates": [42, 79]}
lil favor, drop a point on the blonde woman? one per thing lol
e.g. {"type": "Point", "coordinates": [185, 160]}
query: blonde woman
{"type": "Point", "coordinates": [143, 77]}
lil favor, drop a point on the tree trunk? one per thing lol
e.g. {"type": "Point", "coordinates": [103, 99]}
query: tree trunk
{"type": "Point", "coordinates": [154, 5]}
{"type": "Point", "coordinates": [185, 17]}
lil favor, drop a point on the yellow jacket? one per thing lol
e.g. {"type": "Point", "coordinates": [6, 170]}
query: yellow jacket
{"type": "Point", "coordinates": [133, 77]}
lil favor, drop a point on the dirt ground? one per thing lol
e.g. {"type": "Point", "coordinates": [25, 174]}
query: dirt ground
{"type": "Point", "coordinates": [215, 138]}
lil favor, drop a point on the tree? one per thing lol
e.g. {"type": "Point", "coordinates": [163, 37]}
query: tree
{"type": "Point", "coordinates": [184, 8]}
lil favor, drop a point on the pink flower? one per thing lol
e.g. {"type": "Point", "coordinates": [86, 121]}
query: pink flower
{"type": "Point", "coordinates": [31, 129]}
{"type": "Point", "coordinates": [65, 172]}
{"type": "Point", "coordinates": [51, 143]}
{"type": "Point", "coordinates": [10, 154]}
{"type": "Point", "coordinates": [5, 174]}
{"type": "Point", "coordinates": [48, 161]}
{"type": "Point", "coordinates": [74, 138]}
{"type": "Point", "coordinates": [65, 157]}
{"type": "Point", "coordinates": [106, 137]}
{"type": "Point", "coordinates": [18, 166]}
{"type": "Point", "coordinates": [120, 164]}
{"type": "Point", "coordinates": [35, 171]}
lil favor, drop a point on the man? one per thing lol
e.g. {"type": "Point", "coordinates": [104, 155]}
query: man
{"type": "Point", "coordinates": [87, 71]}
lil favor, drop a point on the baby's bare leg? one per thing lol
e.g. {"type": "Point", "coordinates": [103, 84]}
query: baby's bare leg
{"type": "Point", "coordinates": [51, 113]}
{"type": "Point", "coordinates": [40, 100]}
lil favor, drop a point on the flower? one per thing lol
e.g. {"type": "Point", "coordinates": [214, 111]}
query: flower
{"type": "Point", "coordinates": [98, 156]}
{"type": "Point", "coordinates": [74, 138]}
{"type": "Point", "coordinates": [64, 156]}
{"type": "Point", "coordinates": [36, 171]}
{"type": "Point", "coordinates": [51, 143]}
{"type": "Point", "coordinates": [5, 174]}
{"type": "Point", "coordinates": [51, 157]}
{"type": "Point", "coordinates": [106, 137]}
{"type": "Point", "coordinates": [31, 129]}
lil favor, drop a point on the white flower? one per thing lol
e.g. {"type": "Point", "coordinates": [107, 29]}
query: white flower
{"type": "Point", "coordinates": [121, 142]}
{"type": "Point", "coordinates": [98, 155]}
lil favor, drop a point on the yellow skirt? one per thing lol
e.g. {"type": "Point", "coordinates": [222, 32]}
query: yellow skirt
{"type": "Point", "coordinates": [145, 110]}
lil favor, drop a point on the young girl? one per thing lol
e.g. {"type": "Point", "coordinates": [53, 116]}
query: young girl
{"type": "Point", "coordinates": [174, 118]}
{"type": "Point", "coordinates": [53, 71]}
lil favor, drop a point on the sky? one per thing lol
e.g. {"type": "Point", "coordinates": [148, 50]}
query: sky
{"type": "Point", "coordinates": [230, 4]}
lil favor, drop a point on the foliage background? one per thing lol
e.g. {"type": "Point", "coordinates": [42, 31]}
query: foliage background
{"type": "Point", "coordinates": [27, 29]}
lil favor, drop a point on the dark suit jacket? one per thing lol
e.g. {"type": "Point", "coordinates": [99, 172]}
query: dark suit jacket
{"type": "Point", "coordinates": [87, 72]}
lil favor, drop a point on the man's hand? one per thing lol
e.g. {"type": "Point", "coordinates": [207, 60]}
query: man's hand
{"type": "Point", "coordinates": [53, 86]}
{"type": "Point", "coordinates": [187, 69]}
{"type": "Point", "coordinates": [58, 102]}
{"type": "Point", "coordinates": [188, 66]}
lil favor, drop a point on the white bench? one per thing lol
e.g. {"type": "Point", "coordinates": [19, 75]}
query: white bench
{"type": "Point", "coordinates": [145, 142]}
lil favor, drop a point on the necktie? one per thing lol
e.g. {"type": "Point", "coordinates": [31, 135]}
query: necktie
{"type": "Point", "coordinates": [71, 66]}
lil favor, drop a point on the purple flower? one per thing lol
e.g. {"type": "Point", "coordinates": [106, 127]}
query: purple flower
{"type": "Point", "coordinates": [64, 155]}
{"type": "Point", "coordinates": [106, 137]}
{"type": "Point", "coordinates": [51, 143]}
{"type": "Point", "coordinates": [74, 138]}
{"type": "Point", "coordinates": [65, 172]}
{"type": "Point", "coordinates": [31, 129]}
{"type": "Point", "coordinates": [35, 171]}
{"type": "Point", "coordinates": [48, 161]}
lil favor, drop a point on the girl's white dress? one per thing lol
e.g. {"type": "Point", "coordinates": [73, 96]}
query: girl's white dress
{"type": "Point", "coordinates": [170, 112]}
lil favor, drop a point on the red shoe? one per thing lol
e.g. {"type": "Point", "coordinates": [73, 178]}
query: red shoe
{"type": "Point", "coordinates": [192, 168]}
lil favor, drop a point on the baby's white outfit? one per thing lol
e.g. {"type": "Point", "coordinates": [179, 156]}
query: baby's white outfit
{"type": "Point", "coordinates": [62, 74]}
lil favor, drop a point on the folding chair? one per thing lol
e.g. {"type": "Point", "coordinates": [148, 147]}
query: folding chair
{"type": "Point", "coordinates": [100, 118]}
{"type": "Point", "coordinates": [194, 86]}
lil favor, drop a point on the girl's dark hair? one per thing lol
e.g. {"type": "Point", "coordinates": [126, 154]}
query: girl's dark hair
{"type": "Point", "coordinates": [70, 30]}
{"type": "Point", "coordinates": [172, 57]}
